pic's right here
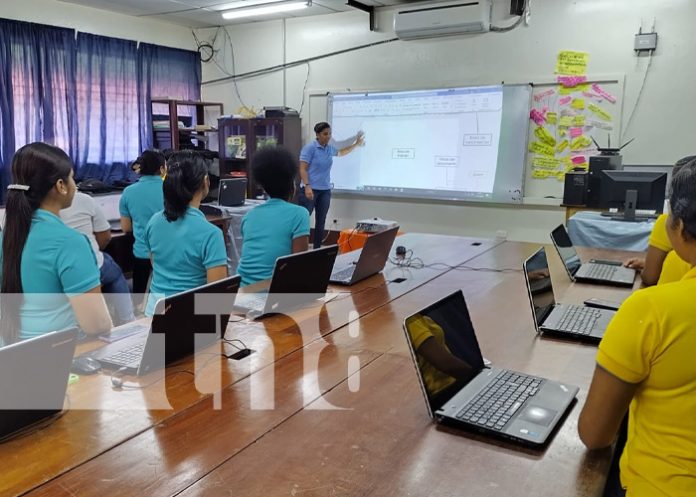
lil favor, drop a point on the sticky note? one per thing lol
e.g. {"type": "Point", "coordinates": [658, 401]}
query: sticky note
{"type": "Point", "coordinates": [566, 121]}
{"type": "Point", "coordinates": [572, 63]}
{"type": "Point", "coordinates": [601, 113]}
{"type": "Point", "coordinates": [599, 124]}
{"type": "Point", "coordinates": [541, 173]}
{"type": "Point", "coordinates": [562, 146]}
{"type": "Point", "coordinates": [578, 103]}
{"type": "Point", "coordinates": [544, 136]}
{"type": "Point", "coordinates": [560, 175]}
{"type": "Point", "coordinates": [575, 132]}
{"type": "Point", "coordinates": [579, 120]}
{"type": "Point", "coordinates": [571, 81]}
{"type": "Point", "coordinates": [580, 142]}
{"type": "Point", "coordinates": [537, 116]}
{"type": "Point", "coordinates": [552, 118]}
{"type": "Point", "coordinates": [564, 100]}
{"type": "Point", "coordinates": [546, 93]}
{"type": "Point", "coordinates": [580, 88]}
{"type": "Point", "coordinates": [578, 159]}
{"type": "Point", "coordinates": [541, 149]}
{"type": "Point", "coordinates": [562, 131]}
{"type": "Point", "coordinates": [605, 94]}
{"type": "Point", "coordinates": [546, 162]}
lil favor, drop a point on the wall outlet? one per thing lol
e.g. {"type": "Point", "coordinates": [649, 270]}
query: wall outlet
{"type": "Point", "coordinates": [334, 223]}
{"type": "Point", "coordinates": [501, 234]}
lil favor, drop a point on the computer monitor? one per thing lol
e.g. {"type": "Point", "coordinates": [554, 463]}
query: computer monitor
{"type": "Point", "coordinates": [631, 190]}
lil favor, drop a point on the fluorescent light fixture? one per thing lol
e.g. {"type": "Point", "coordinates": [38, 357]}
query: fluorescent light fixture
{"type": "Point", "coordinates": [239, 4]}
{"type": "Point", "coordinates": [262, 11]}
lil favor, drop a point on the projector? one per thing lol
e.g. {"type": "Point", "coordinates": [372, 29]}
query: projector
{"type": "Point", "coordinates": [375, 225]}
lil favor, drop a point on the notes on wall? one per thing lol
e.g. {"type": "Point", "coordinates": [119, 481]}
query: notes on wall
{"type": "Point", "coordinates": [566, 115]}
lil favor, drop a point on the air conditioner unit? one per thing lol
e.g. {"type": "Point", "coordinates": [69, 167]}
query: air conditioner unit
{"type": "Point", "coordinates": [443, 19]}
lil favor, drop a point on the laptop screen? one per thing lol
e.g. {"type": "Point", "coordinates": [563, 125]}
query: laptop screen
{"type": "Point", "coordinates": [444, 346]}
{"type": "Point", "coordinates": [565, 248]}
{"type": "Point", "coordinates": [538, 277]}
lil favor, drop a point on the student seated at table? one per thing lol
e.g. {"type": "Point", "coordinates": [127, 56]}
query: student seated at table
{"type": "Point", "coordinates": [86, 216]}
{"type": "Point", "coordinates": [645, 365]}
{"type": "Point", "coordinates": [661, 264]}
{"type": "Point", "coordinates": [277, 227]}
{"type": "Point", "coordinates": [50, 279]}
{"type": "Point", "coordinates": [138, 204]}
{"type": "Point", "coordinates": [186, 250]}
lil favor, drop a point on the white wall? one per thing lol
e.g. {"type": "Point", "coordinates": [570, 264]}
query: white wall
{"type": "Point", "coordinates": [603, 28]}
{"type": "Point", "coordinates": [99, 22]}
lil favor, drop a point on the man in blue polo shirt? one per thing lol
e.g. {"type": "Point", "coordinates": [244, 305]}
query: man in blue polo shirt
{"type": "Point", "coordinates": [316, 159]}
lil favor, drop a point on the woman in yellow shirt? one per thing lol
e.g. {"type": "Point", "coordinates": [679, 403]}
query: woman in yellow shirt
{"type": "Point", "coordinates": [645, 366]}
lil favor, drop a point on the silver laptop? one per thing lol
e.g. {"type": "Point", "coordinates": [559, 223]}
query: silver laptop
{"type": "Point", "coordinates": [372, 259]}
{"type": "Point", "coordinates": [460, 390]}
{"type": "Point", "coordinates": [298, 279]}
{"type": "Point", "coordinates": [232, 192]}
{"type": "Point", "coordinates": [595, 271]}
{"type": "Point", "coordinates": [567, 320]}
{"type": "Point", "coordinates": [33, 379]}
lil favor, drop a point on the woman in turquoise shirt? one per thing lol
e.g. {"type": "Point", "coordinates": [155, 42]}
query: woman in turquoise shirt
{"type": "Point", "coordinates": [138, 204]}
{"type": "Point", "coordinates": [50, 279]}
{"type": "Point", "coordinates": [186, 250]}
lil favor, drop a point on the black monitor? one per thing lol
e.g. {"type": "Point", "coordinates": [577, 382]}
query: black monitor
{"type": "Point", "coordinates": [631, 190]}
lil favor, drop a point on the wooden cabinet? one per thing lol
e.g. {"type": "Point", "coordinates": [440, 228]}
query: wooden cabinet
{"type": "Point", "coordinates": [184, 124]}
{"type": "Point", "coordinates": [238, 139]}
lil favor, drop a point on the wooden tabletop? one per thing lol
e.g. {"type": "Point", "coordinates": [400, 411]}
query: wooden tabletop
{"type": "Point", "coordinates": [329, 403]}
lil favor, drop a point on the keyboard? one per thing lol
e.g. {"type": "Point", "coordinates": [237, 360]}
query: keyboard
{"type": "Point", "coordinates": [600, 271]}
{"type": "Point", "coordinates": [500, 400]}
{"type": "Point", "coordinates": [128, 357]}
{"type": "Point", "coordinates": [122, 332]}
{"type": "Point", "coordinates": [579, 320]}
{"type": "Point", "coordinates": [343, 274]}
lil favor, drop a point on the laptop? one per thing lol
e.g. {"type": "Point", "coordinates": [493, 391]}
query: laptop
{"type": "Point", "coordinates": [497, 402]}
{"type": "Point", "coordinates": [595, 271]}
{"type": "Point", "coordinates": [232, 192]}
{"type": "Point", "coordinates": [298, 279]}
{"type": "Point", "coordinates": [372, 259]}
{"type": "Point", "coordinates": [34, 378]}
{"type": "Point", "coordinates": [176, 330]}
{"type": "Point", "coordinates": [575, 321]}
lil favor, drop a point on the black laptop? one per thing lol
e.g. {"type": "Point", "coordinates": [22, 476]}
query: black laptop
{"type": "Point", "coordinates": [372, 259]}
{"type": "Point", "coordinates": [33, 379]}
{"type": "Point", "coordinates": [298, 279]}
{"type": "Point", "coordinates": [595, 271]}
{"type": "Point", "coordinates": [460, 390]}
{"type": "Point", "coordinates": [182, 324]}
{"type": "Point", "coordinates": [566, 320]}
{"type": "Point", "coordinates": [232, 192]}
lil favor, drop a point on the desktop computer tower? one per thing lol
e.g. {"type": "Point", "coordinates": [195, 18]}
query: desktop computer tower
{"type": "Point", "coordinates": [575, 188]}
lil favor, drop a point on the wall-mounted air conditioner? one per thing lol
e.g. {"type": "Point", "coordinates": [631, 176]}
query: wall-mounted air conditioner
{"type": "Point", "coordinates": [443, 19]}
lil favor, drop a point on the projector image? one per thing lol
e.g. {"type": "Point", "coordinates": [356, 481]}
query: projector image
{"type": "Point", "coordinates": [375, 225]}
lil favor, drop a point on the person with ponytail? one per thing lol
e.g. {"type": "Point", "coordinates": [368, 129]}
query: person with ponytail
{"type": "Point", "coordinates": [645, 367]}
{"type": "Point", "coordinates": [137, 205]}
{"type": "Point", "coordinates": [50, 278]}
{"type": "Point", "coordinates": [186, 250]}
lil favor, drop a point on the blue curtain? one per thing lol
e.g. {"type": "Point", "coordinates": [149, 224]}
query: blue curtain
{"type": "Point", "coordinates": [37, 89]}
{"type": "Point", "coordinates": [165, 72]}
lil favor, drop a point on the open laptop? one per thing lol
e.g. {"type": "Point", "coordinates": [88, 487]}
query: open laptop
{"type": "Point", "coordinates": [463, 392]}
{"type": "Point", "coordinates": [176, 330]}
{"type": "Point", "coordinates": [575, 321]}
{"type": "Point", "coordinates": [33, 379]}
{"type": "Point", "coordinates": [372, 259]}
{"type": "Point", "coordinates": [232, 192]}
{"type": "Point", "coordinates": [297, 280]}
{"type": "Point", "coordinates": [594, 271]}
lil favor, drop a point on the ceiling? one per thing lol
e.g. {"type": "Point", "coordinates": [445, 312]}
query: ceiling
{"type": "Point", "coordinates": [207, 13]}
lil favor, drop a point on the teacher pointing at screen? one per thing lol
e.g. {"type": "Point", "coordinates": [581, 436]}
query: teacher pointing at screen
{"type": "Point", "coordinates": [316, 159]}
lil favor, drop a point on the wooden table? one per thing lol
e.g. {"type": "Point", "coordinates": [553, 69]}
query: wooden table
{"type": "Point", "coordinates": [377, 439]}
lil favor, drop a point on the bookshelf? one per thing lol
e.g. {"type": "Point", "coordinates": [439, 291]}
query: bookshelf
{"type": "Point", "coordinates": [176, 122]}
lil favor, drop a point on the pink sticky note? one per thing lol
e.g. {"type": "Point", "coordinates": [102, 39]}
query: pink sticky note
{"type": "Point", "coordinates": [547, 93]}
{"type": "Point", "coordinates": [565, 100]}
{"type": "Point", "coordinates": [599, 90]}
{"type": "Point", "coordinates": [537, 116]}
{"type": "Point", "coordinates": [575, 132]}
{"type": "Point", "coordinates": [578, 159]}
{"type": "Point", "coordinates": [571, 81]}
{"type": "Point", "coordinates": [589, 94]}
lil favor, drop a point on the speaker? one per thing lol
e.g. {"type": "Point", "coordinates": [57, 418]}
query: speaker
{"type": "Point", "coordinates": [575, 188]}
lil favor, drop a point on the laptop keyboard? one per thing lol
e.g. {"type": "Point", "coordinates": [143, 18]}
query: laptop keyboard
{"type": "Point", "coordinates": [499, 401]}
{"type": "Point", "coordinates": [123, 332]}
{"type": "Point", "coordinates": [130, 356]}
{"type": "Point", "coordinates": [579, 320]}
{"type": "Point", "coordinates": [600, 271]}
{"type": "Point", "coordinates": [343, 274]}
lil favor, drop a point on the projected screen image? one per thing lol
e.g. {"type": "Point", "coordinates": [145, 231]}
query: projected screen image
{"type": "Point", "coordinates": [458, 143]}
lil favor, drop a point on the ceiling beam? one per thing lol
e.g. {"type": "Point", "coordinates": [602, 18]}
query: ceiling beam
{"type": "Point", "coordinates": [365, 8]}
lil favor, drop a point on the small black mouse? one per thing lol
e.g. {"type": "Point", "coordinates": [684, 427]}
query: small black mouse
{"type": "Point", "coordinates": [85, 365]}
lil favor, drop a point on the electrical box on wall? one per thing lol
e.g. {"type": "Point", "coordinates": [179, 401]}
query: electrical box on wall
{"type": "Point", "coordinates": [645, 42]}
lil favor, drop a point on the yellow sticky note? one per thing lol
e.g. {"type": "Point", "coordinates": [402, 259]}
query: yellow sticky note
{"type": "Point", "coordinates": [540, 173]}
{"type": "Point", "coordinates": [541, 149]}
{"type": "Point", "coordinates": [603, 114]}
{"type": "Point", "coordinates": [579, 120]}
{"type": "Point", "coordinates": [576, 89]}
{"type": "Point", "coordinates": [562, 146]}
{"type": "Point", "coordinates": [580, 142]}
{"type": "Point", "coordinates": [562, 131]}
{"type": "Point", "coordinates": [573, 63]}
{"type": "Point", "coordinates": [566, 121]}
{"type": "Point", "coordinates": [551, 118]}
{"type": "Point", "coordinates": [578, 103]}
{"type": "Point", "coordinates": [545, 137]}
{"type": "Point", "coordinates": [544, 162]}
{"type": "Point", "coordinates": [560, 175]}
